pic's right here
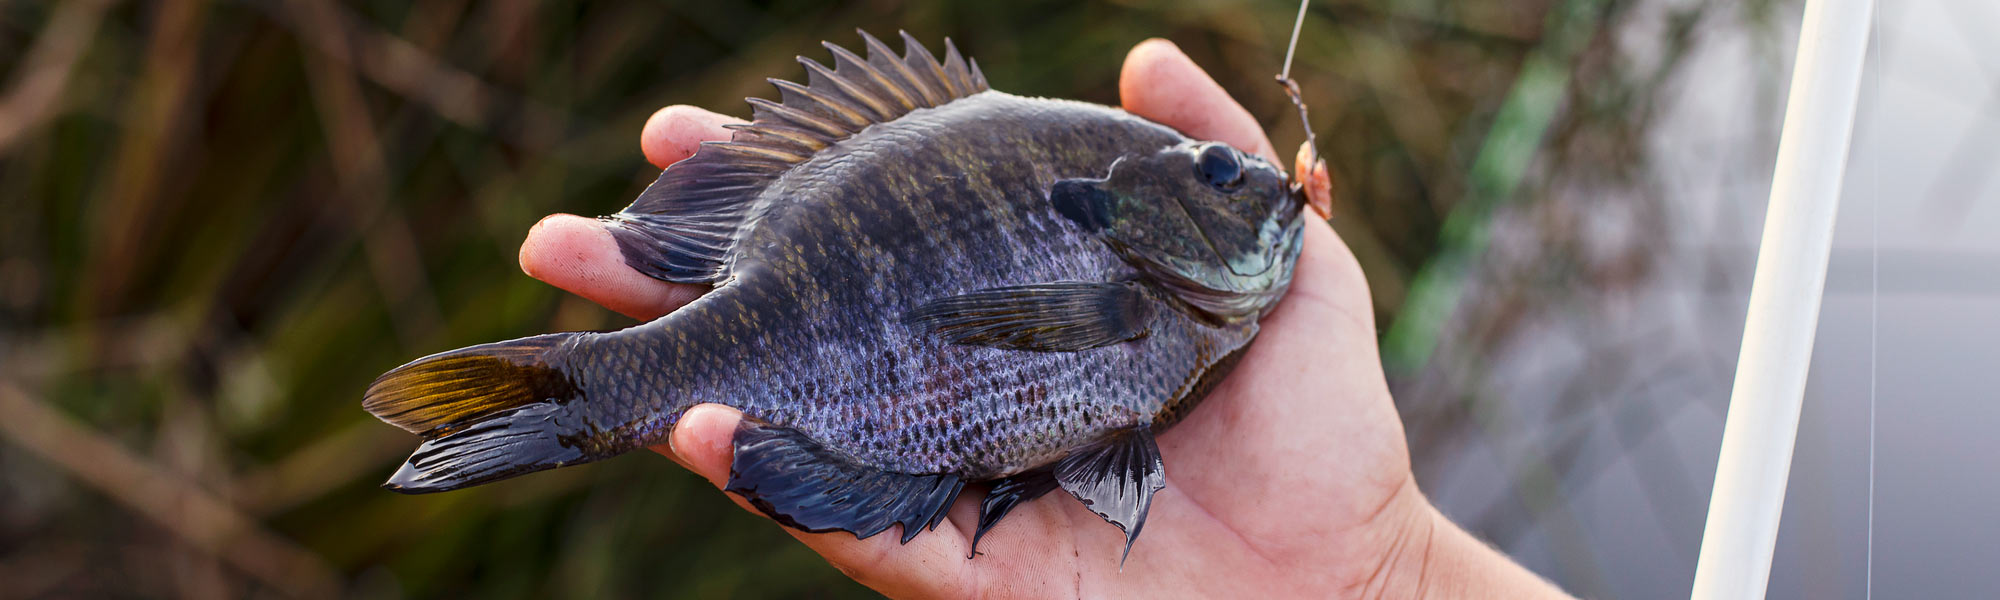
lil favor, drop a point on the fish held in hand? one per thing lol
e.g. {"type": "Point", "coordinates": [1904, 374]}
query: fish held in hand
{"type": "Point", "coordinates": [918, 283]}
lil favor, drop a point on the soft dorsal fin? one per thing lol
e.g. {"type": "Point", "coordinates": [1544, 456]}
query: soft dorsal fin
{"type": "Point", "coordinates": [681, 227]}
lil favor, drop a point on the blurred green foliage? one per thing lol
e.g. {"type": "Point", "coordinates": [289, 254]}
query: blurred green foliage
{"type": "Point", "coordinates": [223, 219]}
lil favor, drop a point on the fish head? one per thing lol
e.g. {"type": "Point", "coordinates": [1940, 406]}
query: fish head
{"type": "Point", "coordinates": [1218, 226]}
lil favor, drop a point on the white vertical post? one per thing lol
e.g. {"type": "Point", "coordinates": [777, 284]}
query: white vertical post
{"type": "Point", "coordinates": [1763, 419]}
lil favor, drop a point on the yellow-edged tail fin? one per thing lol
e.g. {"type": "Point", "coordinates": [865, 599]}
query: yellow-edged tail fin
{"type": "Point", "coordinates": [441, 393]}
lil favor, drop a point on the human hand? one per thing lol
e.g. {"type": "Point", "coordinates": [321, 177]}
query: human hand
{"type": "Point", "coordinates": [1291, 479]}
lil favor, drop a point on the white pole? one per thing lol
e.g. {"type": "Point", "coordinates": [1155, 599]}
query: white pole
{"type": "Point", "coordinates": [1763, 416]}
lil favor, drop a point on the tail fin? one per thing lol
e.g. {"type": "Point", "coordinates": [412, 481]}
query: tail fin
{"type": "Point", "coordinates": [519, 441]}
{"type": "Point", "coordinates": [487, 412]}
{"type": "Point", "coordinates": [436, 394]}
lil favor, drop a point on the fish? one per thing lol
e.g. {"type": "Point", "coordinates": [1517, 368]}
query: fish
{"type": "Point", "coordinates": [917, 283]}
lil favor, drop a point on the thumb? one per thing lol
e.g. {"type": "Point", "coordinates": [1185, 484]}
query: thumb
{"type": "Point", "coordinates": [932, 565]}
{"type": "Point", "coordinates": [1161, 83]}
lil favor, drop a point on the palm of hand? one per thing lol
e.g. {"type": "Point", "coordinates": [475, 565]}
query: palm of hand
{"type": "Point", "coordinates": [1291, 478]}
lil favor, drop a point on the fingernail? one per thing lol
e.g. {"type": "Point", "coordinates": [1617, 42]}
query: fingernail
{"type": "Point", "coordinates": [671, 447]}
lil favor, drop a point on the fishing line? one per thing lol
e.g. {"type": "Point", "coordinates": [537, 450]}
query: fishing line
{"type": "Point", "coordinates": [1297, 24]}
{"type": "Point", "coordinates": [1292, 87]}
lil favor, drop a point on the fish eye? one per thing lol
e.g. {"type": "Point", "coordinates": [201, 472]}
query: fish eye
{"type": "Point", "coordinates": [1218, 165]}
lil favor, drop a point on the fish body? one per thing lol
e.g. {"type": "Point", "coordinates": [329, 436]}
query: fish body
{"type": "Point", "coordinates": [919, 283]}
{"type": "Point", "coordinates": [809, 332]}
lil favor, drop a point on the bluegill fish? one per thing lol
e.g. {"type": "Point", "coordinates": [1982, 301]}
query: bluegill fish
{"type": "Point", "coordinates": [918, 282]}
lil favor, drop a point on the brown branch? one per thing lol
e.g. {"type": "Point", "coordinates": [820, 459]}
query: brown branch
{"type": "Point", "coordinates": [408, 70]}
{"type": "Point", "coordinates": [204, 521]}
{"type": "Point", "coordinates": [363, 178]}
{"type": "Point", "coordinates": [45, 73]}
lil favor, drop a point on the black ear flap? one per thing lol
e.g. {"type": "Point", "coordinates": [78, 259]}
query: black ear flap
{"type": "Point", "coordinates": [1083, 201]}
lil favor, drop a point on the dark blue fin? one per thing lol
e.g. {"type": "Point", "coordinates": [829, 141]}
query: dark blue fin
{"type": "Point", "coordinates": [487, 413]}
{"type": "Point", "coordinates": [1007, 494]}
{"type": "Point", "coordinates": [1049, 317]}
{"type": "Point", "coordinates": [1116, 479]}
{"type": "Point", "coordinates": [521, 440]}
{"type": "Point", "coordinates": [682, 226]}
{"type": "Point", "coordinates": [804, 485]}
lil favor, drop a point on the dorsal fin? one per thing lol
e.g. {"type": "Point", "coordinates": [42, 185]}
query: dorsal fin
{"type": "Point", "coordinates": [680, 228]}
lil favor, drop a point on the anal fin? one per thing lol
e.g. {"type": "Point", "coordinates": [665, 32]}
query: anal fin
{"type": "Point", "coordinates": [802, 484]}
{"type": "Point", "coordinates": [1051, 317]}
{"type": "Point", "coordinates": [1116, 479]}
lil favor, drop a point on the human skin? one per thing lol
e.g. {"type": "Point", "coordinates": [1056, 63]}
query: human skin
{"type": "Point", "coordinates": [1291, 480]}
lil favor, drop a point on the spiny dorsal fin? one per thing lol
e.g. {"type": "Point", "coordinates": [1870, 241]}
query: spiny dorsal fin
{"type": "Point", "coordinates": [681, 227]}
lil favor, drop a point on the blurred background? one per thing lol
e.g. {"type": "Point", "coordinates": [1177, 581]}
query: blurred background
{"type": "Point", "coordinates": [220, 219]}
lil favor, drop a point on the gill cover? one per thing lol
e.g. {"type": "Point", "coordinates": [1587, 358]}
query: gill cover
{"type": "Point", "coordinates": [1218, 227]}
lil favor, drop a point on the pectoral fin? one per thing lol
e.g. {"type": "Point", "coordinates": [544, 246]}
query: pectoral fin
{"type": "Point", "coordinates": [1116, 479]}
{"type": "Point", "coordinates": [1049, 317]}
{"type": "Point", "coordinates": [800, 483]}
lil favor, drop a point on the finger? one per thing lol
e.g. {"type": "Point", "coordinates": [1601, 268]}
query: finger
{"type": "Point", "coordinates": [704, 440]}
{"type": "Point", "coordinates": [1163, 84]}
{"type": "Point", "coordinates": [676, 132]}
{"type": "Point", "coordinates": [668, 451]}
{"type": "Point", "coordinates": [1292, 356]}
{"type": "Point", "coordinates": [576, 254]}
{"type": "Point", "coordinates": [1311, 391]}
{"type": "Point", "coordinates": [933, 564]}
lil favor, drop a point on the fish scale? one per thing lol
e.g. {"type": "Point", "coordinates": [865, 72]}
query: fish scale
{"type": "Point", "coordinates": [866, 316]}
{"type": "Point", "coordinates": [918, 283]}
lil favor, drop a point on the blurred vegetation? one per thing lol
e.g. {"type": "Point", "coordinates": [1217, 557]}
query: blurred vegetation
{"type": "Point", "coordinates": [222, 219]}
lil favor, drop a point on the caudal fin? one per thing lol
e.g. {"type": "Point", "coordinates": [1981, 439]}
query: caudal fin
{"type": "Point", "coordinates": [487, 412]}
{"type": "Point", "coordinates": [518, 441]}
{"type": "Point", "coordinates": [436, 394]}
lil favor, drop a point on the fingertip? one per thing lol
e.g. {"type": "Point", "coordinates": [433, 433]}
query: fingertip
{"type": "Point", "coordinates": [1148, 64]}
{"type": "Point", "coordinates": [547, 240]}
{"type": "Point", "coordinates": [1160, 82]}
{"type": "Point", "coordinates": [703, 439]}
{"type": "Point", "coordinates": [1149, 52]}
{"type": "Point", "coordinates": [676, 132]}
{"type": "Point", "coordinates": [577, 254]}
{"type": "Point", "coordinates": [667, 450]}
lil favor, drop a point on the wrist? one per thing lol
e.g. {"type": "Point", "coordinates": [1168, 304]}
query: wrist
{"type": "Point", "coordinates": [1431, 557]}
